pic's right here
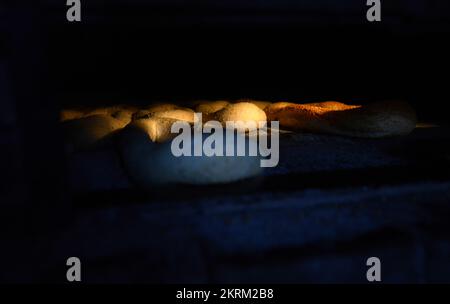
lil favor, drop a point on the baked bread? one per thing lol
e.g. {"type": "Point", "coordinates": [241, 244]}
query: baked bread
{"type": "Point", "coordinates": [380, 119]}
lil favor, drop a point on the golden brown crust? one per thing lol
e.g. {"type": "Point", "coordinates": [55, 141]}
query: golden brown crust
{"type": "Point", "coordinates": [381, 119]}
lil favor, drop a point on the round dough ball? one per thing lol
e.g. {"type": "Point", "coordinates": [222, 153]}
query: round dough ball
{"type": "Point", "coordinates": [209, 108]}
{"type": "Point", "coordinates": [149, 163]}
{"type": "Point", "coordinates": [184, 114]}
{"type": "Point", "coordinates": [161, 107]}
{"type": "Point", "coordinates": [87, 132]}
{"type": "Point", "coordinates": [70, 114]}
{"type": "Point", "coordinates": [158, 129]}
{"type": "Point", "coordinates": [123, 115]}
{"type": "Point", "coordinates": [99, 111]}
{"type": "Point", "coordinates": [111, 110]}
{"type": "Point", "coordinates": [241, 112]}
{"type": "Point", "coordinates": [260, 104]}
{"type": "Point", "coordinates": [146, 112]}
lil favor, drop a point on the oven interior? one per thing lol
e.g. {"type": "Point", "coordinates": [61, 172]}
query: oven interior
{"type": "Point", "coordinates": [332, 201]}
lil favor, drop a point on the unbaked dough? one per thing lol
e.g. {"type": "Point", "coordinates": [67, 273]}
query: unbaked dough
{"type": "Point", "coordinates": [149, 163]}
{"type": "Point", "coordinates": [88, 132]}
{"type": "Point", "coordinates": [241, 112]}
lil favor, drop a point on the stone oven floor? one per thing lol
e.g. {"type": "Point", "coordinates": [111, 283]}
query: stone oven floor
{"type": "Point", "coordinates": [305, 159]}
{"type": "Point", "coordinates": [331, 203]}
{"type": "Point", "coordinates": [309, 235]}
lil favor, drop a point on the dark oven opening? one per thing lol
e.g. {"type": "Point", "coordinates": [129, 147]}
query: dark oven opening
{"type": "Point", "coordinates": [344, 189]}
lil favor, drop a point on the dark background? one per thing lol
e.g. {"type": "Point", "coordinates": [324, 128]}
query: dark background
{"type": "Point", "coordinates": [145, 51]}
{"type": "Point", "coordinates": [277, 50]}
{"type": "Point", "coordinates": [141, 51]}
